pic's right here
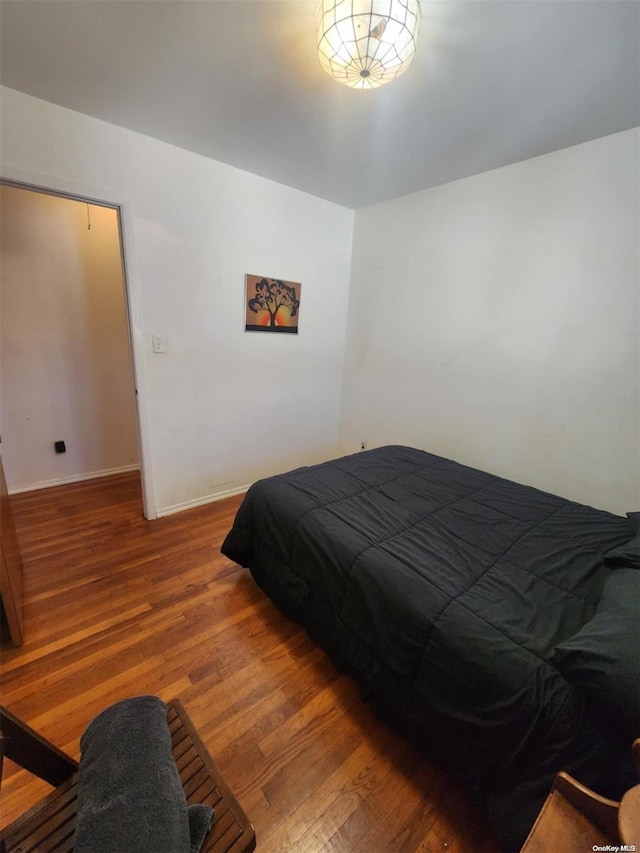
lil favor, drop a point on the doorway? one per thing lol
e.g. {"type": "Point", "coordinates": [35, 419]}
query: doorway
{"type": "Point", "coordinates": [68, 399]}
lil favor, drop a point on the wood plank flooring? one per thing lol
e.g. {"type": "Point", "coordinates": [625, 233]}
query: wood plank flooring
{"type": "Point", "coordinates": [116, 606]}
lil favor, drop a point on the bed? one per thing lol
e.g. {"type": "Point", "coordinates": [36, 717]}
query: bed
{"type": "Point", "coordinates": [454, 597]}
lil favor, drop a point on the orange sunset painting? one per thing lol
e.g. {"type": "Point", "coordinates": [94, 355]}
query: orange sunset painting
{"type": "Point", "coordinates": [272, 305]}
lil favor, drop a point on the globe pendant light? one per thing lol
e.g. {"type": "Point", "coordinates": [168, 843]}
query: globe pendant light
{"type": "Point", "coordinates": [367, 43]}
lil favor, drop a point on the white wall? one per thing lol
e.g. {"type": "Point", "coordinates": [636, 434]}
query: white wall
{"type": "Point", "coordinates": [494, 320]}
{"type": "Point", "coordinates": [64, 345]}
{"type": "Point", "coordinates": [221, 407]}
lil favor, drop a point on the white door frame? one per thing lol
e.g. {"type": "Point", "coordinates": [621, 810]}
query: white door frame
{"type": "Point", "coordinates": [96, 195]}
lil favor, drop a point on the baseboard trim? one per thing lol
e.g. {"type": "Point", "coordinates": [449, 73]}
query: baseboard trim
{"type": "Point", "coordinates": [74, 478]}
{"type": "Point", "coordinates": [207, 499]}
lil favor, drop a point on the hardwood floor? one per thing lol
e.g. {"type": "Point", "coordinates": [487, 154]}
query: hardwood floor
{"type": "Point", "coordinates": [116, 606]}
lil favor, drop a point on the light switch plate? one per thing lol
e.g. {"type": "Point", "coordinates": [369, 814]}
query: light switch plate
{"type": "Point", "coordinates": [158, 343]}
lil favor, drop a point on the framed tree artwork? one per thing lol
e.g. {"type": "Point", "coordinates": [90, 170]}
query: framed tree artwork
{"type": "Point", "coordinates": [272, 305]}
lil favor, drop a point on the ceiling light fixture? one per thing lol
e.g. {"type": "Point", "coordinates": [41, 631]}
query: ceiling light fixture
{"type": "Point", "coordinates": [367, 43]}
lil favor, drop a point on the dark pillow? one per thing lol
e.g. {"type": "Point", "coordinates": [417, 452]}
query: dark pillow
{"type": "Point", "coordinates": [603, 658]}
{"type": "Point", "coordinates": [625, 555]}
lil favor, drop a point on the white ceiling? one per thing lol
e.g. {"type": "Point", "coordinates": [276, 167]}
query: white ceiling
{"type": "Point", "coordinates": [493, 82]}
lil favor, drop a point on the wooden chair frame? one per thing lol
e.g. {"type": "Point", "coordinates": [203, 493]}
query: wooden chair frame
{"type": "Point", "coordinates": [573, 811]}
{"type": "Point", "coordinates": [50, 824]}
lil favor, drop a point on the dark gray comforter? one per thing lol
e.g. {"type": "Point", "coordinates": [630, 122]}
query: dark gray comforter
{"type": "Point", "coordinates": [444, 590]}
